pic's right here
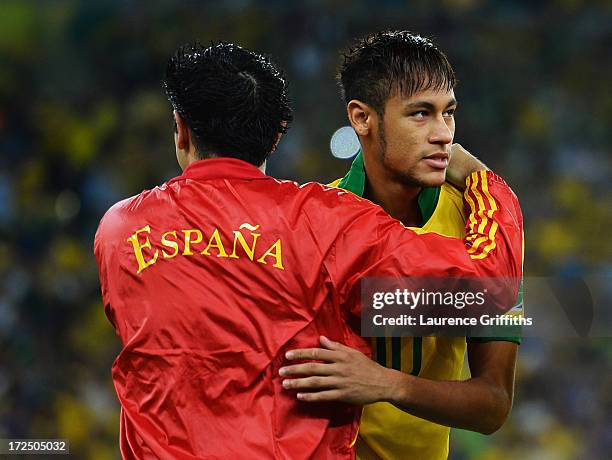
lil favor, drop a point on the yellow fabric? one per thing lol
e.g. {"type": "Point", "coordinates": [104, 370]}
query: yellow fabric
{"type": "Point", "coordinates": [387, 432]}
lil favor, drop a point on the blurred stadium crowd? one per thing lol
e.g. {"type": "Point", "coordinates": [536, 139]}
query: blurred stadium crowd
{"type": "Point", "coordinates": [84, 123]}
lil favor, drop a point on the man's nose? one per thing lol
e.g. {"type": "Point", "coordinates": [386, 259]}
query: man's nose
{"type": "Point", "coordinates": [440, 132]}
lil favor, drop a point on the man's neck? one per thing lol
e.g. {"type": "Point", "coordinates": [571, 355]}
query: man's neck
{"type": "Point", "coordinates": [398, 200]}
{"type": "Point", "coordinates": [193, 157]}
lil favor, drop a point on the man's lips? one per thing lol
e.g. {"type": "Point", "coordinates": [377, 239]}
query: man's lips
{"type": "Point", "coordinates": [438, 160]}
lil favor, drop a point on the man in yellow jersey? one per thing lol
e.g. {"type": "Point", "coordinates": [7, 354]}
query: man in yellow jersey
{"type": "Point", "coordinates": [399, 91]}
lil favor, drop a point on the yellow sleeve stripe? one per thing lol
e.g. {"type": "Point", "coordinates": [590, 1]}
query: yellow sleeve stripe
{"type": "Point", "coordinates": [490, 246]}
{"type": "Point", "coordinates": [494, 225]}
{"type": "Point", "coordinates": [474, 239]}
{"type": "Point", "coordinates": [485, 189]}
{"type": "Point", "coordinates": [481, 245]}
{"type": "Point", "coordinates": [481, 214]}
{"type": "Point", "coordinates": [470, 185]}
{"type": "Point", "coordinates": [485, 216]}
{"type": "Point", "coordinates": [481, 207]}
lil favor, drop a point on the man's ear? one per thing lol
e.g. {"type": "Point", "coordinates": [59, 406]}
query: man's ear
{"type": "Point", "coordinates": [361, 116]}
{"type": "Point", "coordinates": [279, 136]}
{"type": "Point", "coordinates": [182, 133]}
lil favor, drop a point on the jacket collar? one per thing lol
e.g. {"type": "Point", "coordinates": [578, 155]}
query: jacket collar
{"type": "Point", "coordinates": [221, 168]}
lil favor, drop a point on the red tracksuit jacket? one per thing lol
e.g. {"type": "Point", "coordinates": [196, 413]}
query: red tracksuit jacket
{"type": "Point", "coordinates": [210, 278]}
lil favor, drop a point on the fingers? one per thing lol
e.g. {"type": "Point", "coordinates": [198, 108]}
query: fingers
{"type": "Point", "coordinates": [316, 389]}
{"type": "Point", "coordinates": [318, 354]}
{"type": "Point", "coordinates": [331, 345]}
{"type": "Point", "coordinates": [321, 396]}
{"type": "Point", "coordinates": [306, 369]}
{"type": "Point", "coordinates": [456, 147]}
{"type": "Point", "coordinates": [309, 383]}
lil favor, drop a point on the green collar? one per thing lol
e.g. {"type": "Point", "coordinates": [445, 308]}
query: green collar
{"type": "Point", "coordinates": [354, 181]}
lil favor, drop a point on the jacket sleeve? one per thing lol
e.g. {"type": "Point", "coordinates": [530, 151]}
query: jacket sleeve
{"type": "Point", "coordinates": [491, 250]}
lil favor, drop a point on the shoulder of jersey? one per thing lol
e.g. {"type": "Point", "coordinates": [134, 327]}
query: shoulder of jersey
{"type": "Point", "coordinates": [134, 202]}
{"type": "Point", "coordinates": [117, 217]}
{"type": "Point", "coordinates": [452, 191]}
{"type": "Point", "coordinates": [322, 191]}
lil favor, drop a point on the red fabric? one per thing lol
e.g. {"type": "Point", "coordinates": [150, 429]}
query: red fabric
{"type": "Point", "coordinates": [204, 335]}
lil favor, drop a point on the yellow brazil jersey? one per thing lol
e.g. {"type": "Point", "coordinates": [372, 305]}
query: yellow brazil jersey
{"type": "Point", "coordinates": [387, 432]}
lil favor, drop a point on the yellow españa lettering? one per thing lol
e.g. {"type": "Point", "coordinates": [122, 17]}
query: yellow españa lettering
{"type": "Point", "coordinates": [274, 251]}
{"type": "Point", "coordinates": [170, 246]}
{"type": "Point", "coordinates": [188, 240]}
{"type": "Point", "coordinates": [238, 237]}
{"type": "Point", "coordinates": [215, 242]}
{"type": "Point", "coordinates": [142, 264]}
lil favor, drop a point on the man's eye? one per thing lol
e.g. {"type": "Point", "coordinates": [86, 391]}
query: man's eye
{"type": "Point", "coordinates": [420, 114]}
{"type": "Point", "coordinates": [449, 113]}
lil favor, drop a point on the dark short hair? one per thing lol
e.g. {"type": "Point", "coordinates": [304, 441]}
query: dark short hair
{"type": "Point", "coordinates": [384, 63]}
{"type": "Point", "coordinates": [233, 100]}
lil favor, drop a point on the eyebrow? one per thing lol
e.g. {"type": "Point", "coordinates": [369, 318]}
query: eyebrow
{"type": "Point", "coordinates": [428, 105]}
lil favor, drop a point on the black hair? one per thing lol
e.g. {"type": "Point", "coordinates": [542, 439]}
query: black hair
{"type": "Point", "coordinates": [386, 63]}
{"type": "Point", "coordinates": [233, 100]}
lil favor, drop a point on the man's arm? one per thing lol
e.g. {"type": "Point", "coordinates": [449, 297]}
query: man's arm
{"type": "Point", "coordinates": [374, 245]}
{"type": "Point", "coordinates": [462, 164]}
{"type": "Point", "coordinates": [481, 403]}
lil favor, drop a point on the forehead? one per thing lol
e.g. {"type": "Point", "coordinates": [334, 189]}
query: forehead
{"type": "Point", "coordinates": [434, 97]}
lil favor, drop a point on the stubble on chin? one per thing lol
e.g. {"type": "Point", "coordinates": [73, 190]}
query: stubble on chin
{"type": "Point", "coordinates": [410, 180]}
{"type": "Point", "coordinates": [415, 178]}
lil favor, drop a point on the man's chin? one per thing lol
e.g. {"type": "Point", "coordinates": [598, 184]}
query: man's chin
{"type": "Point", "coordinates": [433, 179]}
{"type": "Point", "coordinates": [428, 179]}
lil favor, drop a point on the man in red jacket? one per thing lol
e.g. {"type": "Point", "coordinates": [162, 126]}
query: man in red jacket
{"type": "Point", "coordinates": [211, 277]}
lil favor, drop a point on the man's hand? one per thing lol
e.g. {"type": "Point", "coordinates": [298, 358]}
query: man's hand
{"type": "Point", "coordinates": [347, 375]}
{"type": "Point", "coordinates": [480, 403]}
{"type": "Point", "coordinates": [462, 164]}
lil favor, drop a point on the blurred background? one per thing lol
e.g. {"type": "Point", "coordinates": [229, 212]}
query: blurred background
{"type": "Point", "coordinates": [84, 123]}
